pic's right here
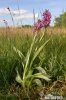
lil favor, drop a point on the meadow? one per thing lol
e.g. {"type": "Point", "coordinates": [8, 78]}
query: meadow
{"type": "Point", "coordinates": [32, 63]}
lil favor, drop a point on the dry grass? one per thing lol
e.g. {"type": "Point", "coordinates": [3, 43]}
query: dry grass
{"type": "Point", "coordinates": [12, 31]}
{"type": "Point", "coordinates": [56, 30]}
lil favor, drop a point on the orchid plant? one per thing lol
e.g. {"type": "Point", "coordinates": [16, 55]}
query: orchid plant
{"type": "Point", "coordinates": [29, 75]}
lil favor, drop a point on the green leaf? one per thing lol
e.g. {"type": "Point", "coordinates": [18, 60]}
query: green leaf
{"type": "Point", "coordinates": [18, 78]}
{"type": "Point", "coordinates": [28, 56]}
{"type": "Point", "coordinates": [38, 82]}
{"type": "Point", "coordinates": [38, 51]}
{"type": "Point", "coordinates": [19, 53]}
{"type": "Point", "coordinates": [42, 37]}
{"type": "Point", "coordinates": [42, 76]}
{"type": "Point", "coordinates": [41, 70]}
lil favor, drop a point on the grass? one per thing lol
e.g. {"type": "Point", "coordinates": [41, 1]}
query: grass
{"type": "Point", "coordinates": [52, 58]}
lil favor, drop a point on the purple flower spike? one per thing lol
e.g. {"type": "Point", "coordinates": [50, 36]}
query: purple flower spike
{"type": "Point", "coordinates": [46, 19]}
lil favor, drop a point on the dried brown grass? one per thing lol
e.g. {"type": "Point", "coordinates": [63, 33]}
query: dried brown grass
{"type": "Point", "coordinates": [12, 31]}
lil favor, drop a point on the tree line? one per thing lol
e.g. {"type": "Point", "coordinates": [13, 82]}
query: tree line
{"type": "Point", "coordinates": [60, 21]}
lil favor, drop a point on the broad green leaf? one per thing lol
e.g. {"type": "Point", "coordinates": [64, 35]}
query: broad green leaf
{"type": "Point", "coordinates": [38, 51]}
{"type": "Point", "coordinates": [42, 76]}
{"type": "Point", "coordinates": [18, 78]}
{"type": "Point", "coordinates": [38, 82]}
{"type": "Point", "coordinates": [41, 70]}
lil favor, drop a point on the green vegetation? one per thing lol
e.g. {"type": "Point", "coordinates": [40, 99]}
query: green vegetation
{"type": "Point", "coordinates": [29, 64]}
{"type": "Point", "coordinates": [61, 20]}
